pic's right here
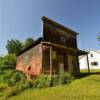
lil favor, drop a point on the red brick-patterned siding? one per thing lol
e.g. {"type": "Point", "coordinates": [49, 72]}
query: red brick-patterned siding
{"type": "Point", "coordinates": [31, 58]}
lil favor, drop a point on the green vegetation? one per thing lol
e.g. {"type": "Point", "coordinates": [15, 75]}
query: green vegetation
{"type": "Point", "coordinates": [14, 46]}
{"type": "Point", "coordinates": [17, 83]}
{"type": "Point", "coordinates": [28, 42]}
{"type": "Point", "coordinates": [91, 70]}
{"type": "Point", "coordinates": [7, 62]}
{"type": "Point", "coordinates": [84, 88]}
{"type": "Point", "coordinates": [87, 88]}
{"type": "Point", "coordinates": [14, 86]}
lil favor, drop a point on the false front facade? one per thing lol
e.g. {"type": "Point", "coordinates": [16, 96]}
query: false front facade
{"type": "Point", "coordinates": [54, 53]}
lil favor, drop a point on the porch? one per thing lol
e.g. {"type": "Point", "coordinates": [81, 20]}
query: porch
{"type": "Point", "coordinates": [57, 59]}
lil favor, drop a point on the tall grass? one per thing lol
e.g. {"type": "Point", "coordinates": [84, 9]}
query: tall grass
{"type": "Point", "coordinates": [87, 88]}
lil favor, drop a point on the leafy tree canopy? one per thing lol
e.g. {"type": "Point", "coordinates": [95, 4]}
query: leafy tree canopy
{"type": "Point", "coordinates": [14, 46]}
{"type": "Point", "coordinates": [28, 42]}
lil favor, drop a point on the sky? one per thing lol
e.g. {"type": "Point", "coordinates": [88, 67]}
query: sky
{"type": "Point", "coordinates": [20, 19]}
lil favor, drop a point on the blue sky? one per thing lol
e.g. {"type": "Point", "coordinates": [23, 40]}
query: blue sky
{"type": "Point", "coordinates": [20, 19]}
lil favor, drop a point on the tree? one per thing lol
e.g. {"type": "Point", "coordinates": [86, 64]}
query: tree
{"type": "Point", "coordinates": [8, 62]}
{"type": "Point", "coordinates": [14, 46]}
{"type": "Point", "coordinates": [28, 42]}
{"type": "Point", "coordinates": [98, 37]}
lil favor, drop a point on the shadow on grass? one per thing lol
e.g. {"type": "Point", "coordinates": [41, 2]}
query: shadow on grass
{"type": "Point", "coordinates": [85, 74]}
{"type": "Point", "coordinates": [2, 89]}
{"type": "Point", "coordinates": [0, 95]}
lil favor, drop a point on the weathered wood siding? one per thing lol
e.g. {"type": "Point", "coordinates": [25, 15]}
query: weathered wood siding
{"type": "Point", "coordinates": [54, 34]}
{"type": "Point", "coordinates": [56, 52]}
{"type": "Point", "coordinates": [46, 59]}
{"type": "Point", "coordinates": [30, 61]}
{"type": "Point", "coordinates": [63, 42]}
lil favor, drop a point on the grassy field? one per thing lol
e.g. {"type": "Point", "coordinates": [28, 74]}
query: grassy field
{"type": "Point", "coordinates": [86, 88]}
{"type": "Point", "coordinates": [91, 70]}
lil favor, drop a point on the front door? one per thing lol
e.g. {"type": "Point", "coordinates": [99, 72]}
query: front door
{"type": "Point", "coordinates": [61, 63]}
{"type": "Point", "coordinates": [71, 63]}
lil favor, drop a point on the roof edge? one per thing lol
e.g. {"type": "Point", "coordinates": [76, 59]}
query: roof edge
{"type": "Point", "coordinates": [37, 41]}
{"type": "Point", "coordinates": [58, 25]}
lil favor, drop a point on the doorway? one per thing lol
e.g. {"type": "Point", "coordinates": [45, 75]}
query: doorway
{"type": "Point", "coordinates": [71, 63]}
{"type": "Point", "coordinates": [61, 63]}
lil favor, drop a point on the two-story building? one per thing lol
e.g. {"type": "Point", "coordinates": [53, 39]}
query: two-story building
{"type": "Point", "coordinates": [55, 52]}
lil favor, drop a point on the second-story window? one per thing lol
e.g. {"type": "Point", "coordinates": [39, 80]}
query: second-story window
{"type": "Point", "coordinates": [91, 55]}
{"type": "Point", "coordinates": [62, 39]}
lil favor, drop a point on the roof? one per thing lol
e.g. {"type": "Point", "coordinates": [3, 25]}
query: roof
{"type": "Point", "coordinates": [81, 52]}
{"type": "Point", "coordinates": [97, 51]}
{"type": "Point", "coordinates": [30, 46]}
{"type": "Point", "coordinates": [59, 25]}
{"type": "Point", "coordinates": [40, 39]}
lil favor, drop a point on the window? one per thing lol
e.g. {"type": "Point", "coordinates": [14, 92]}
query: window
{"type": "Point", "coordinates": [94, 63]}
{"type": "Point", "coordinates": [91, 55]}
{"type": "Point", "coordinates": [62, 39]}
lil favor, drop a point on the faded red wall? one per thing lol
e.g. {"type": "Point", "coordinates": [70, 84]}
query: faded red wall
{"type": "Point", "coordinates": [33, 58]}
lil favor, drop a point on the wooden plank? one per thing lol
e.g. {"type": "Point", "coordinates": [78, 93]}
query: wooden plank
{"type": "Point", "coordinates": [50, 60]}
{"type": "Point", "coordinates": [88, 64]}
{"type": "Point", "coordinates": [60, 46]}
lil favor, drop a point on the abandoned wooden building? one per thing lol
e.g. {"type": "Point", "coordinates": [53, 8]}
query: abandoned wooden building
{"type": "Point", "coordinates": [55, 52]}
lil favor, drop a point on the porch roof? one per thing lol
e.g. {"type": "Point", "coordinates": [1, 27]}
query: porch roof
{"type": "Point", "coordinates": [81, 52]}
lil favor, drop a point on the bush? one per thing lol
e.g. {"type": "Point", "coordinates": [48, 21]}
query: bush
{"type": "Point", "coordinates": [19, 82]}
{"type": "Point", "coordinates": [49, 81]}
{"type": "Point", "coordinates": [12, 77]}
{"type": "Point", "coordinates": [40, 81]}
{"type": "Point", "coordinates": [7, 76]}
{"type": "Point", "coordinates": [8, 62]}
{"type": "Point", "coordinates": [43, 81]}
{"type": "Point", "coordinates": [18, 76]}
{"type": "Point", "coordinates": [65, 78]}
{"type": "Point", "coordinates": [23, 84]}
{"type": "Point", "coordinates": [55, 80]}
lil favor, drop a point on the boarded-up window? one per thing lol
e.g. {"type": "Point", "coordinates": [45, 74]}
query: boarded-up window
{"type": "Point", "coordinates": [46, 61]}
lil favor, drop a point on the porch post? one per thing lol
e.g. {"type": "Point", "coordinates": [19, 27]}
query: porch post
{"type": "Point", "coordinates": [50, 60]}
{"type": "Point", "coordinates": [88, 63]}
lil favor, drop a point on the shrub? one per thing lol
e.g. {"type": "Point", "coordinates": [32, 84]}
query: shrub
{"type": "Point", "coordinates": [8, 62]}
{"type": "Point", "coordinates": [43, 81]}
{"type": "Point", "coordinates": [40, 81]}
{"type": "Point", "coordinates": [12, 77]}
{"type": "Point", "coordinates": [65, 78]}
{"type": "Point", "coordinates": [7, 76]}
{"type": "Point", "coordinates": [18, 76]}
{"type": "Point", "coordinates": [19, 85]}
{"type": "Point", "coordinates": [19, 82]}
{"type": "Point", "coordinates": [28, 84]}
{"type": "Point", "coordinates": [55, 80]}
{"type": "Point", "coordinates": [49, 81]}
{"type": "Point", "coordinates": [23, 84]}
